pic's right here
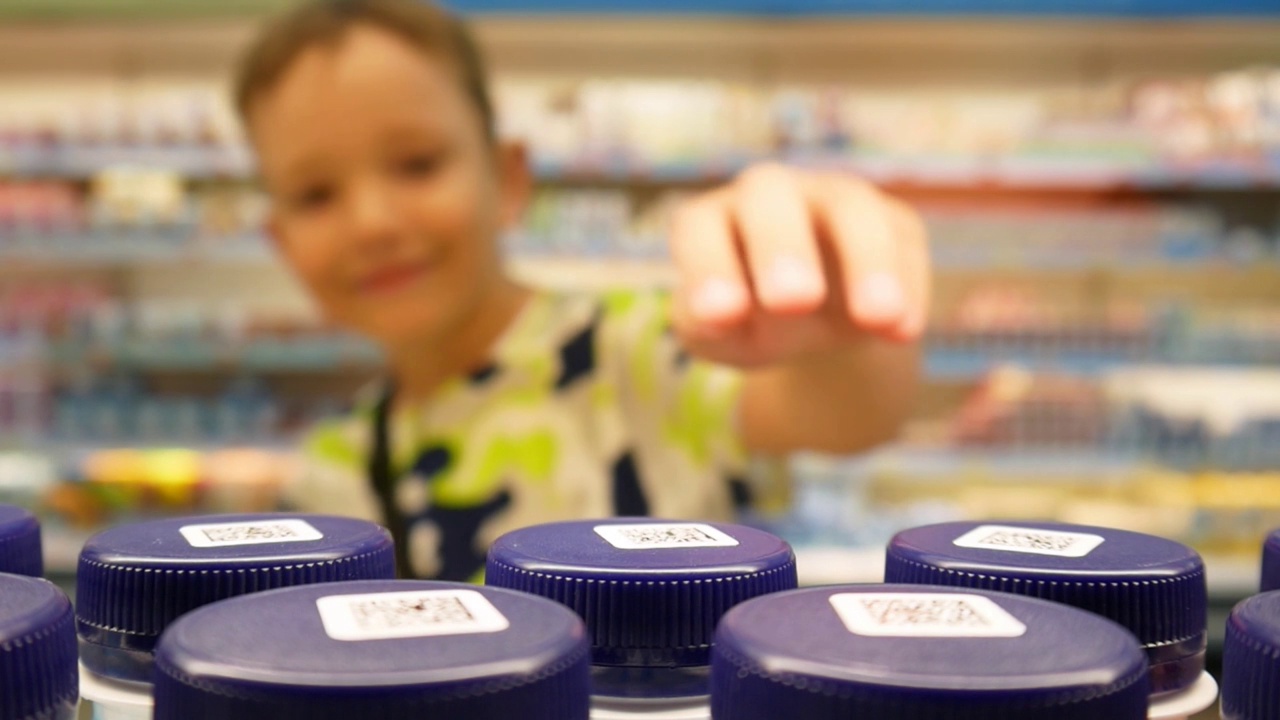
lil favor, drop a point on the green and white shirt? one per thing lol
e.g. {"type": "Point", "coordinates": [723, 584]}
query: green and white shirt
{"type": "Point", "coordinates": [589, 409]}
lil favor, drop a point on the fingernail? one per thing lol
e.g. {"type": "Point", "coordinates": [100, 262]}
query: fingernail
{"type": "Point", "coordinates": [879, 297]}
{"type": "Point", "coordinates": [791, 278]}
{"type": "Point", "coordinates": [717, 298]}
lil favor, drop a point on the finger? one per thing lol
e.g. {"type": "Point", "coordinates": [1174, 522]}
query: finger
{"type": "Point", "coordinates": [713, 290]}
{"type": "Point", "coordinates": [916, 270]}
{"type": "Point", "coordinates": [856, 222]}
{"type": "Point", "coordinates": [777, 235]}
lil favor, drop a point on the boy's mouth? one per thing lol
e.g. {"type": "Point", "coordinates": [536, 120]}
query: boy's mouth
{"type": "Point", "coordinates": [391, 278]}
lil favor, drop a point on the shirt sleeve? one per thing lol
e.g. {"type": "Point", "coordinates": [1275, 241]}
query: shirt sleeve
{"type": "Point", "coordinates": [683, 412]}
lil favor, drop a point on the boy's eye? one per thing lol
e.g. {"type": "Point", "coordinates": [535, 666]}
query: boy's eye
{"type": "Point", "coordinates": [313, 197]}
{"type": "Point", "coordinates": [418, 165]}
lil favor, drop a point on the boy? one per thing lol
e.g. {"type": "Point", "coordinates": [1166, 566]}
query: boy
{"type": "Point", "coordinates": [801, 298]}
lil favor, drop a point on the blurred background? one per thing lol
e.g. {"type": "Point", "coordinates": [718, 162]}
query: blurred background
{"type": "Point", "coordinates": [1101, 180]}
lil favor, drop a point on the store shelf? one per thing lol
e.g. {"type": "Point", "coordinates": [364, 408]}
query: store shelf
{"type": "Point", "coordinates": [130, 249]}
{"type": "Point", "coordinates": [80, 9]}
{"type": "Point", "coordinates": [1030, 173]}
{"type": "Point", "coordinates": [891, 8]}
{"type": "Point", "coordinates": [79, 162]}
{"type": "Point", "coordinates": [198, 354]}
{"type": "Point", "coordinates": [1040, 174]}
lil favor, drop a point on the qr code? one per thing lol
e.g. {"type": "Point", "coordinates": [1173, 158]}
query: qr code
{"type": "Point", "coordinates": [949, 612]}
{"type": "Point", "coordinates": [425, 613]}
{"type": "Point", "coordinates": [925, 615]}
{"type": "Point", "coordinates": [1030, 540]}
{"type": "Point", "coordinates": [664, 535]}
{"type": "Point", "coordinates": [250, 533]}
{"type": "Point", "coordinates": [379, 614]}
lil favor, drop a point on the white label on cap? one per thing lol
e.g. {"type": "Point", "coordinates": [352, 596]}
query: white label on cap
{"type": "Point", "coordinates": [1030, 540]}
{"type": "Point", "coordinates": [661, 536]}
{"type": "Point", "coordinates": [925, 615]}
{"type": "Point", "coordinates": [421, 613]}
{"type": "Point", "coordinates": [254, 532]}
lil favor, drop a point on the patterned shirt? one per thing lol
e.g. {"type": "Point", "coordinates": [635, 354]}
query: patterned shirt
{"type": "Point", "coordinates": [589, 408]}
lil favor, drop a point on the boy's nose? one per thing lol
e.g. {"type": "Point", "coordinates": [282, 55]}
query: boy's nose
{"type": "Point", "coordinates": [371, 213]}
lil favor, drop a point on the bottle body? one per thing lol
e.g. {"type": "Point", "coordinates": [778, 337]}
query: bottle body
{"type": "Point", "coordinates": [104, 698]}
{"type": "Point", "coordinates": [633, 693]}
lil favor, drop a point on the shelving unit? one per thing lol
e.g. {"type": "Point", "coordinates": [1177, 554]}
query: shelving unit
{"type": "Point", "coordinates": [1176, 296]}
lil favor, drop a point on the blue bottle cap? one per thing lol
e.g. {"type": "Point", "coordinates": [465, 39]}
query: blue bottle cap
{"type": "Point", "coordinates": [391, 650]}
{"type": "Point", "coordinates": [650, 591]}
{"type": "Point", "coordinates": [1251, 660]}
{"type": "Point", "coordinates": [38, 676]}
{"type": "Point", "coordinates": [909, 652]}
{"type": "Point", "coordinates": [134, 580]}
{"type": "Point", "coordinates": [20, 550]}
{"type": "Point", "coordinates": [1152, 586]}
{"type": "Point", "coordinates": [1271, 562]}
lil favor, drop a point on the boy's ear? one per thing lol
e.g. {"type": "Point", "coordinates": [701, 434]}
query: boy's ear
{"type": "Point", "coordinates": [516, 180]}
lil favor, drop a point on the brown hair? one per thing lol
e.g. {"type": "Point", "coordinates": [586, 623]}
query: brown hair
{"type": "Point", "coordinates": [426, 26]}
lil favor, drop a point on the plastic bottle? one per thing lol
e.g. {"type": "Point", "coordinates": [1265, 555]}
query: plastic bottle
{"type": "Point", "coordinates": [20, 547]}
{"type": "Point", "coordinates": [1251, 660]}
{"type": "Point", "coordinates": [37, 651]}
{"type": "Point", "coordinates": [906, 652]}
{"type": "Point", "coordinates": [1152, 586]}
{"type": "Point", "coordinates": [134, 580]}
{"type": "Point", "coordinates": [1271, 562]}
{"type": "Point", "coordinates": [651, 593]}
{"type": "Point", "coordinates": [391, 650]}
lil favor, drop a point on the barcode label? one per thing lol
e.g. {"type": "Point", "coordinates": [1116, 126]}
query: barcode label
{"type": "Point", "coordinates": [658, 536]}
{"type": "Point", "coordinates": [423, 613]}
{"type": "Point", "coordinates": [925, 615]}
{"type": "Point", "coordinates": [256, 532]}
{"type": "Point", "coordinates": [1030, 540]}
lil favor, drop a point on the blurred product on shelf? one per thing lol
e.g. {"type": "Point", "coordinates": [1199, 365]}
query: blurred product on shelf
{"type": "Point", "coordinates": [129, 214]}
{"type": "Point", "coordinates": [1222, 128]}
{"type": "Point", "coordinates": [65, 130]}
{"type": "Point", "coordinates": [1183, 453]}
{"type": "Point", "coordinates": [1013, 408]}
{"type": "Point", "coordinates": [613, 223]}
{"type": "Point", "coordinates": [1225, 125]}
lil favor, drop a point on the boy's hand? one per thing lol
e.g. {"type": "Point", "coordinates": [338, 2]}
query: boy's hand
{"type": "Point", "coordinates": [782, 264]}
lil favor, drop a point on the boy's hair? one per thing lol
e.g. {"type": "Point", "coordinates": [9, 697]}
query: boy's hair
{"type": "Point", "coordinates": [424, 25]}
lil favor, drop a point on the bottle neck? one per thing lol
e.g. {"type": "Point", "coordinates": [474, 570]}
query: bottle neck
{"type": "Point", "coordinates": [650, 687]}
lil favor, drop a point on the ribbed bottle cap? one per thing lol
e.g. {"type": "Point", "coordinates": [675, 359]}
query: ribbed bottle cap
{"type": "Point", "coordinates": [134, 580]}
{"type": "Point", "coordinates": [1251, 660]}
{"type": "Point", "coordinates": [1152, 586]}
{"type": "Point", "coordinates": [907, 652]}
{"type": "Point", "coordinates": [38, 677]}
{"type": "Point", "coordinates": [1271, 562]}
{"type": "Point", "coordinates": [20, 551]}
{"type": "Point", "coordinates": [392, 650]}
{"type": "Point", "coordinates": [650, 591]}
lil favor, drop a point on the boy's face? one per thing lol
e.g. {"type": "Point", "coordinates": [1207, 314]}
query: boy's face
{"type": "Point", "coordinates": [388, 199]}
